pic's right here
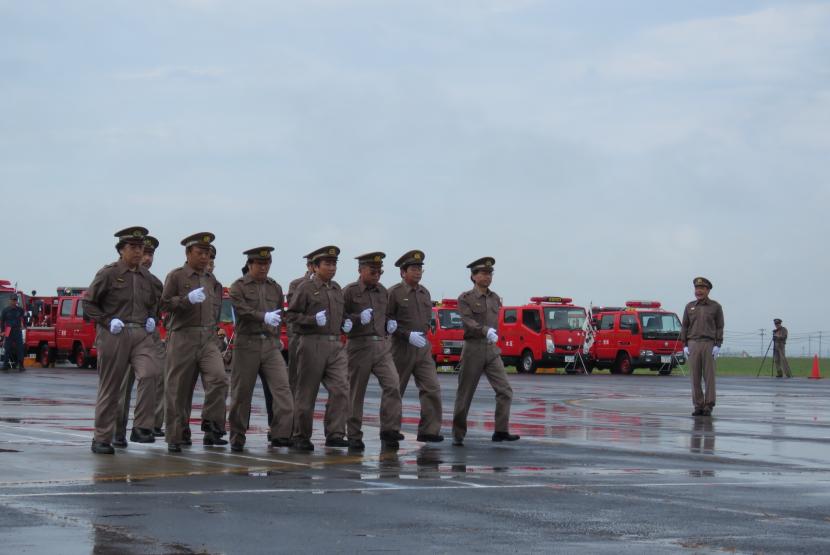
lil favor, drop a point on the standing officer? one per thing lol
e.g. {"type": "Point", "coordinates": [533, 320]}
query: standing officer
{"type": "Point", "coordinates": [316, 312]}
{"type": "Point", "coordinates": [702, 335]}
{"type": "Point", "coordinates": [12, 319]}
{"type": "Point", "coordinates": [779, 358]}
{"type": "Point", "coordinates": [293, 337]}
{"type": "Point", "coordinates": [370, 353]}
{"type": "Point", "coordinates": [258, 301]}
{"type": "Point", "coordinates": [410, 307]}
{"type": "Point", "coordinates": [150, 246]}
{"type": "Point", "coordinates": [193, 299]}
{"type": "Point", "coordinates": [479, 308]}
{"type": "Point", "coordinates": [123, 302]}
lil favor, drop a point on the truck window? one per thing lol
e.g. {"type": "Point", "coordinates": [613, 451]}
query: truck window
{"type": "Point", "coordinates": [226, 316]}
{"type": "Point", "coordinates": [510, 316]}
{"type": "Point", "coordinates": [628, 321]}
{"type": "Point", "coordinates": [607, 322]}
{"type": "Point", "coordinates": [450, 319]}
{"type": "Point", "coordinates": [79, 310]}
{"type": "Point", "coordinates": [564, 318]}
{"type": "Point", "coordinates": [66, 308]}
{"type": "Point", "coordinates": [532, 320]}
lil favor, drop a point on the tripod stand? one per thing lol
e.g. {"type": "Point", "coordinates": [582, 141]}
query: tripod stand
{"type": "Point", "coordinates": [764, 360]}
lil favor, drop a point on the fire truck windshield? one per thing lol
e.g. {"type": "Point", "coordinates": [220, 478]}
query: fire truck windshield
{"type": "Point", "coordinates": [659, 324]}
{"type": "Point", "coordinates": [4, 299]}
{"type": "Point", "coordinates": [226, 315]}
{"type": "Point", "coordinates": [449, 319]}
{"type": "Point", "coordinates": [562, 318]}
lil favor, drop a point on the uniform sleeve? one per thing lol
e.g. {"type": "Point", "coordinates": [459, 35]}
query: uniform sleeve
{"type": "Point", "coordinates": [684, 327]}
{"type": "Point", "coordinates": [244, 310]}
{"type": "Point", "coordinates": [719, 326]}
{"type": "Point", "coordinates": [157, 288]}
{"type": "Point", "coordinates": [93, 298]}
{"type": "Point", "coordinates": [172, 300]}
{"type": "Point", "coordinates": [350, 311]}
{"type": "Point", "coordinates": [218, 298]}
{"type": "Point", "coordinates": [391, 314]}
{"type": "Point", "coordinates": [472, 328]}
{"type": "Point", "coordinates": [296, 309]}
{"type": "Point", "coordinates": [784, 335]}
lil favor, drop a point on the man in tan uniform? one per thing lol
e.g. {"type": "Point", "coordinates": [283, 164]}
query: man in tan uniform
{"type": "Point", "coordinates": [258, 301]}
{"type": "Point", "coordinates": [779, 356]}
{"type": "Point", "coordinates": [150, 246]}
{"type": "Point", "coordinates": [370, 352]}
{"type": "Point", "coordinates": [123, 303]}
{"type": "Point", "coordinates": [410, 307]}
{"type": "Point", "coordinates": [316, 312]}
{"type": "Point", "coordinates": [293, 337]}
{"type": "Point", "coordinates": [193, 298]}
{"type": "Point", "coordinates": [479, 308]}
{"type": "Point", "coordinates": [702, 335]}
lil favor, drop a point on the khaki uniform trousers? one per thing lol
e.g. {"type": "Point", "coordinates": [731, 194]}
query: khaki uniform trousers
{"type": "Point", "coordinates": [702, 366]}
{"type": "Point", "coordinates": [293, 343]}
{"type": "Point", "coordinates": [412, 361]}
{"type": "Point", "coordinates": [126, 393]}
{"type": "Point", "coordinates": [779, 360]}
{"type": "Point", "coordinates": [132, 347]}
{"type": "Point", "coordinates": [321, 359]}
{"type": "Point", "coordinates": [477, 358]}
{"type": "Point", "coordinates": [254, 354]}
{"type": "Point", "coordinates": [367, 356]}
{"type": "Point", "coordinates": [190, 352]}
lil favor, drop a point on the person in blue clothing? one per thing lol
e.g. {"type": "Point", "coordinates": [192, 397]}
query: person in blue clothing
{"type": "Point", "coordinates": [12, 321]}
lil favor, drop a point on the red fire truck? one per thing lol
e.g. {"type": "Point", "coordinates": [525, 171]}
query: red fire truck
{"type": "Point", "coordinates": [446, 333]}
{"type": "Point", "coordinates": [60, 331]}
{"type": "Point", "coordinates": [546, 333]}
{"type": "Point", "coordinates": [639, 335]}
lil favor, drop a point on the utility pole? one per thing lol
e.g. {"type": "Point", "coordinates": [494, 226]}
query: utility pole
{"type": "Point", "coordinates": [819, 344]}
{"type": "Point", "coordinates": [762, 340]}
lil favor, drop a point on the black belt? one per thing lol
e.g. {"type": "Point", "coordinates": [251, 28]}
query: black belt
{"type": "Point", "coordinates": [203, 328]}
{"type": "Point", "coordinates": [323, 337]}
{"type": "Point", "coordinates": [259, 335]}
{"type": "Point", "coordinates": [369, 338]}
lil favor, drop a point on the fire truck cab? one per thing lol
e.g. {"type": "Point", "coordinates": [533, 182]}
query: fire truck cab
{"type": "Point", "coordinates": [546, 333]}
{"type": "Point", "coordinates": [63, 333]}
{"type": "Point", "coordinates": [639, 335]}
{"type": "Point", "coordinates": [446, 332]}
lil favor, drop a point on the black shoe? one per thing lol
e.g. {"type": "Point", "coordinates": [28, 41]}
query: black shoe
{"type": "Point", "coordinates": [280, 442]}
{"type": "Point", "coordinates": [390, 445]}
{"type": "Point", "coordinates": [174, 448]}
{"type": "Point", "coordinates": [399, 436]}
{"type": "Point", "coordinates": [158, 432]}
{"type": "Point", "coordinates": [186, 437]}
{"type": "Point", "coordinates": [458, 442]}
{"type": "Point", "coordinates": [504, 436]}
{"type": "Point", "coordinates": [430, 438]}
{"type": "Point", "coordinates": [336, 442]}
{"type": "Point", "coordinates": [102, 448]}
{"type": "Point", "coordinates": [698, 412]}
{"type": "Point", "coordinates": [142, 435]}
{"type": "Point", "coordinates": [302, 445]}
{"type": "Point", "coordinates": [391, 436]}
{"type": "Point", "coordinates": [120, 442]}
{"type": "Point", "coordinates": [357, 445]}
{"type": "Point", "coordinates": [212, 438]}
{"type": "Point", "coordinates": [706, 412]}
{"type": "Point", "coordinates": [237, 447]}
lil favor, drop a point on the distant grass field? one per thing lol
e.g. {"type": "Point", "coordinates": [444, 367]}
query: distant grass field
{"type": "Point", "coordinates": [729, 366]}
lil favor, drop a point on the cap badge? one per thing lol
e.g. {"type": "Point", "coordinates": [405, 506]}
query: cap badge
{"type": "Point", "coordinates": [263, 254]}
{"type": "Point", "coordinates": [377, 258]}
{"type": "Point", "coordinates": [331, 251]}
{"type": "Point", "coordinates": [137, 233]}
{"type": "Point", "coordinates": [206, 239]}
{"type": "Point", "coordinates": [416, 256]}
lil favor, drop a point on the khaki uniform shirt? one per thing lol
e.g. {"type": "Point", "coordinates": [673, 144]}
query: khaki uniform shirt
{"type": "Point", "coordinates": [410, 307]}
{"type": "Point", "coordinates": [251, 300]}
{"type": "Point", "coordinates": [118, 292]}
{"type": "Point", "coordinates": [184, 314]}
{"type": "Point", "coordinates": [311, 297]}
{"type": "Point", "coordinates": [358, 297]}
{"type": "Point", "coordinates": [479, 312]}
{"type": "Point", "coordinates": [702, 320]}
{"type": "Point", "coordinates": [780, 335]}
{"type": "Point", "coordinates": [292, 287]}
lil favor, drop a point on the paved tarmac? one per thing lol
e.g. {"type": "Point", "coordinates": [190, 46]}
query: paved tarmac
{"type": "Point", "coordinates": [606, 464]}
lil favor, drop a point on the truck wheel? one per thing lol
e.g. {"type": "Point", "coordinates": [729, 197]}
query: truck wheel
{"type": "Point", "coordinates": [43, 355]}
{"type": "Point", "coordinates": [623, 364]}
{"type": "Point", "coordinates": [79, 356]}
{"type": "Point", "coordinates": [527, 365]}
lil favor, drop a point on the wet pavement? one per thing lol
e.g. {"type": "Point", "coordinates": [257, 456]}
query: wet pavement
{"type": "Point", "coordinates": [606, 464]}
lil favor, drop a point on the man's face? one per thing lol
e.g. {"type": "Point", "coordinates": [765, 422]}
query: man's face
{"type": "Point", "coordinates": [147, 259]}
{"type": "Point", "coordinates": [326, 268]}
{"type": "Point", "coordinates": [701, 292]}
{"type": "Point", "coordinates": [259, 269]}
{"type": "Point", "coordinates": [412, 274]}
{"type": "Point", "coordinates": [198, 258]}
{"type": "Point", "coordinates": [777, 324]}
{"type": "Point", "coordinates": [370, 275]}
{"type": "Point", "coordinates": [483, 278]}
{"type": "Point", "coordinates": [132, 254]}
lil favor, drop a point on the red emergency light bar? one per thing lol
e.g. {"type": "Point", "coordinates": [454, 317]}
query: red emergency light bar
{"type": "Point", "coordinates": [643, 304]}
{"type": "Point", "coordinates": [557, 300]}
{"type": "Point", "coordinates": [447, 303]}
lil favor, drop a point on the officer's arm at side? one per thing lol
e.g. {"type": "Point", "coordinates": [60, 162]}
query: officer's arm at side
{"type": "Point", "coordinates": [684, 327]}
{"type": "Point", "coordinates": [297, 307]}
{"type": "Point", "coordinates": [719, 326]}
{"type": "Point", "coordinates": [173, 300]}
{"type": "Point", "coordinates": [243, 309]}
{"type": "Point", "coordinates": [472, 328]}
{"type": "Point", "coordinates": [93, 297]}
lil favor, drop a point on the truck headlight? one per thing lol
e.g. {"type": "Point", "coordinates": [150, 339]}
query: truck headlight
{"type": "Point", "coordinates": [549, 346]}
{"type": "Point", "coordinates": [646, 354]}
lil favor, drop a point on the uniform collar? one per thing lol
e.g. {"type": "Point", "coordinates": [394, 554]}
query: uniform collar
{"type": "Point", "coordinates": [476, 293]}
{"type": "Point", "coordinates": [418, 288]}
{"type": "Point", "coordinates": [248, 278]}
{"type": "Point", "coordinates": [705, 301]}
{"type": "Point", "coordinates": [123, 268]}
{"type": "Point", "coordinates": [363, 287]}
{"type": "Point", "coordinates": [320, 283]}
{"type": "Point", "coordinates": [190, 270]}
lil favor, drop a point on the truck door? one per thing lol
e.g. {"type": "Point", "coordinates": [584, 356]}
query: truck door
{"type": "Point", "coordinates": [626, 334]}
{"type": "Point", "coordinates": [508, 332]}
{"type": "Point", "coordinates": [86, 329]}
{"type": "Point", "coordinates": [64, 326]}
{"type": "Point", "coordinates": [531, 333]}
{"type": "Point", "coordinates": [605, 343]}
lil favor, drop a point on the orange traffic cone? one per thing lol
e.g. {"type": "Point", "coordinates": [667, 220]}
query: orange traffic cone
{"type": "Point", "coordinates": [816, 373]}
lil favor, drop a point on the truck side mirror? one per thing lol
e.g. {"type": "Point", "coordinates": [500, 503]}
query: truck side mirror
{"type": "Point", "coordinates": [86, 318]}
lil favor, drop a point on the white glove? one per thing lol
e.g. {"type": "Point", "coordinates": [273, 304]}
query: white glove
{"type": "Point", "coordinates": [492, 336]}
{"type": "Point", "coordinates": [273, 318]}
{"type": "Point", "coordinates": [321, 318]}
{"type": "Point", "coordinates": [149, 325]}
{"type": "Point", "coordinates": [391, 326]}
{"type": "Point", "coordinates": [715, 351]}
{"type": "Point", "coordinates": [366, 316]}
{"type": "Point", "coordinates": [116, 326]}
{"type": "Point", "coordinates": [347, 326]}
{"type": "Point", "coordinates": [197, 296]}
{"type": "Point", "coordinates": [686, 351]}
{"type": "Point", "coordinates": [417, 338]}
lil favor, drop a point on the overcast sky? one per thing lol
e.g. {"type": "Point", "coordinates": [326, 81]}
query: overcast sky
{"type": "Point", "coordinates": [600, 150]}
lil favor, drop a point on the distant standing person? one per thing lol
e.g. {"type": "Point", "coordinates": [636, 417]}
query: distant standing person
{"type": "Point", "coordinates": [779, 358]}
{"type": "Point", "coordinates": [12, 321]}
{"type": "Point", "coordinates": [702, 335]}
